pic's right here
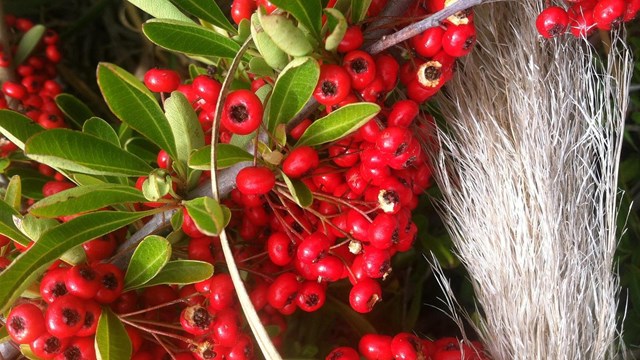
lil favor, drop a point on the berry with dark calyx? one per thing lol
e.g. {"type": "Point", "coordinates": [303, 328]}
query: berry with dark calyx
{"type": "Point", "coordinates": [241, 350]}
{"type": "Point", "coordinates": [393, 140]}
{"type": "Point", "coordinates": [283, 291]}
{"type": "Point", "coordinates": [161, 80]}
{"type": "Point", "coordinates": [458, 41]}
{"type": "Point", "coordinates": [300, 161]}
{"type": "Point", "coordinates": [343, 353]}
{"type": "Point", "coordinates": [374, 92]}
{"type": "Point", "coordinates": [242, 112]}
{"type": "Point", "coordinates": [80, 348]}
{"type": "Point", "coordinates": [313, 248]}
{"type": "Point", "coordinates": [82, 281]}
{"type": "Point", "coordinates": [361, 67]}
{"type": "Point", "coordinates": [25, 323]}
{"type": "Point", "coordinates": [91, 317]}
{"type": "Point", "coordinates": [383, 231]}
{"type": "Point", "coordinates": [48, 346]}
{"type": "Point", "coordinates": [53, 284]}
{"type": "Point", "coordinates": [352, 39]}
{"type": "Point", "coordinates": [334, 84]}
{"type": "Point", "coordinates": [111, 283]}
{"type": "Point", "coordinates": [376, 262]}
{"type": "Point", "coordinates": [406, 346]}
{"type": "Point", "coordinates": [609, 13]}
{"type": "Point", "coordinates": [375, 347]}
{"type": "Point", "coordinates": [364, 295]}
{"type": "Point", "coordinates": [196, 320]}
{"type": "Point", "coordinates": [255, 180]}
{"type": "Point", "coordinates": [552, 21]}
{"type": "Point", "coordinates": [311, 296]}
{"type": "Point", "coordinates": [65, 316]}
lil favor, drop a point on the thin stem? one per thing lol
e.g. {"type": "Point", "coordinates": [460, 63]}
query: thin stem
{"type": "Point", "coordinates": [158, 332]}
{"type": "Point", "coordinates": [164, 346]}
{"type": "Point", "coordinates": [157, 306]}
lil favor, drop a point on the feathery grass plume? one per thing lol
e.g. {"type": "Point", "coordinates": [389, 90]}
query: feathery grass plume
{"type": "Point", "coordinates": [527, 164]}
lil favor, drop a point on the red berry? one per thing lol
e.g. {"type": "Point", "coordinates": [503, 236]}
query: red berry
{"type": "Point", "coordinates": [403, 113]}
{"type": "Point", "coordinates": [364, 295]}
{"type": "Point", "coordinates": [361, 68]}
{"type": "Point", "coordinates": [80, 348]}
{"type": "Point", "coordinates": [388, 69]}
{"type": "Point", "coordinates": [334, 84]}
{"type": "Point", "coordinates": [112, 283]}
{"type": "Point", "coordinates": [552, 21]}
{"type": "Point", "coordinates": [161, 80]}
{"type": "Point", "coordinates": [280, 248]}
{"type": "Point", "coordinates": [329, 269]}
{"type": "Point", "coordinates": [375, 347]}
{"type": "Point", "coordinates": [207, 88]}
{"type": "Point", "coordinates": [25, 323]}
{"type": "Point", "coordinates": [255, 180]}
{"type": "Point", "coordinates": [65, 316]}
{"type": "Point", "coordinates": [352, 39]}
{"type": "Point", "coordinates": [283, 291]}
{"type": "Point", "coordinates": [53, 284]}
{"type": "Point", "coordinates": [82, 281]}
{"type": "Point", "coordinates": [300, 161]}
{"type": "Point", "coordinates": [406, 346]}
{"type": "Point", "coordinates": [189, 226]}
{"type": "Point", "coordinates": [100, 248]}
{"type": "Point", "coordinates": [241, 350]}
{"type": "Point", "coordinates": [54, 187]}
{"type": "Point", "coordinates": [458, 41]}
{"type": "Point", "coordinates": [14, 90]}
{"type": "Point", "coordinates": [581, 21]}
{"type": "Point", "coordinates": [343, 353]}
{"type": "Point", "coordinates": [242, 9]}
{"type": "Point", "coordinates": [242, 112]}
{"type": "Point", "coordinates": [609, 13]}
{"type": "Point", "coordinates": [376, 262]}
{"type": "Point", "coordinates": [222, 293]}
{"type": "Point", "coordinates": [164, 160]}
{"type": "Point", "coordinates": [91, 317]}
{"type": "Point", "coordinates": [203, 249]}
{"type": "Point", "coordinates": [311, 296]}
{"type": "Point", "coordinates": [429, 42]}
{"type": "Point", "coordinates": [196, 320]}
{"type": "Point", "coordinates": [47, 346]}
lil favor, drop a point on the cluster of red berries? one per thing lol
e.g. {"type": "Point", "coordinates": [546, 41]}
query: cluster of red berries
{"type": "Point", "coordinates": [583, 17]}
{"type": "Point", "coordinates": [34, 89]}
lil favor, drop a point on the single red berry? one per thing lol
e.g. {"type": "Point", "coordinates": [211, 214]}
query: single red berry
{"type": "Point", "coordinates": [53, 284]}
{"type": "Point", "coordinates": [393, 140]}
{"type": "Point", "coordinates": [25, 323]}
{"type": "Point", "coordinates": [82, 281]}
{"type": "Point", "coordinates": [377, 263]}
{"type": "Point", "coordinates": [429, 42]}
{"type": "Point", "coordinates": [255, 180]}
{"type": "Point", "coordinates": [358, 225]}
{"type": "Point", "coordinates": [299, 129]}
{"type": "Point", "coordinates": [345, 152]}
{"type": "Point", "coordinates": [384, 232]}
{"type": "Point", "coordinates": [207, 88]}
{"type": "Point", "coordinates": [80, 348]}
{"type": "Point", "coordinates": [343, 353]}
{"type": "Point", "coordinates": [91, 317]}
{"type": "Point", "coordinates": [267, 5]}
{"type": "Point", "coordinates": [196, 320]}
{"type": "Point", "coordinates": [609, 13]}
{"type": "Point", "coordinates": [164, 160]}
{"type": "Point", "coordinates": [633, 7]}
{"type": "Point", "coordinates": [241, 350]}
{"type": "Point", "coordinates": [334, 84]}
{"type": "Point", "coordinates": [189, 226]}
{"type": "Point", "coordinates": [203, 249]}
{"type": "Point", "coordinates": [100, 248]}
{"type": "Point", "coordinates": [112, 283]}
{"type": "Point", "coordinates": [387, 68]}
{"type": "Point", "coordinates": [328, 269]}
{"type": "Point", "coordinates": [375, 347]}
{"type": "Point", "coordinates": [226, 328]}
{"type": "Point", "coordinates": [14, 90]}
{"type": "Point", "coordinates": [406, 346]}
{"type": "Point", "coordinates": [280, 248]}
{"type": "Point", "coordinates": [375, 91]}
{"type": "Point", "coordinates": [311, 296]}
{"type": "Point", "coordinates": [65, 316]}
{"type": "Point", "coordinates": [581, 21]}
{"type": "Point", "coordinates": [552, 21]}
{"type": "Point", "coordinates": [242, 9]}
{"type": "Point", "coordinates": [283, 291]}
{"type": "Point", "coordinates": [48, 346]}
{"type": "Point", "coordinates": [300, 161]}
{"type": "Point", "coordinates": [222, 293]}
{"type": "Point", "coordinates": [50, 121]}
{"type": "Point", "coordinates": [242, 112]}
{"type": "Point", "coordinates": [161, 80]}
{"type": "Point", "coordinates": [352, 39]}
{"type": "Point", "coordinates": [364, 295]}
{"type": "Point", "coordinates": [458, 41]}
{"type": "Point", "coordinates": [313, 248]}
{"type": "Point", "coordinates": [361, 68]}
{"type": "Point", "coordinates": [54, 187]}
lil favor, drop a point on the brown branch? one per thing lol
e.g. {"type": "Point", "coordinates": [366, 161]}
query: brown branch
{"type": "Point", "coordinates": [380, 27]}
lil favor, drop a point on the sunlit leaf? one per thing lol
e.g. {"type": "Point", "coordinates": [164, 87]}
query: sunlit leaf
{"type": "Point", "coordinates": [82, 199]}
{"type": "Point", "coordinates": [182, 272]}
{"type": "Point", "coordinates": [338, 124]}
{"type": "Point", "coordinates": [150, 256]}
{"type": "Point", "coordinates": [112, 341]}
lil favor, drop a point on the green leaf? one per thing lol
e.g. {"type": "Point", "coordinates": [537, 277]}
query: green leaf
{"type": "Point", "coordinates": [338, 124]}
{"type": "Point", "coordinates": [82, 199]}
{"type": "Point", "coordinates": [7, 225]}
{"type": "Point", "coordinates": [186, 128]}
{"type": "Point", "coordinates": [151, 255]}
{"type": "Point", "coordinates": [293, 88]}
{"type": "Point", "coordinates": [272, 54]}
{"type": "Point", "coordinates": [286, 35]}
{"type": "Point", "coordinates": [226, 155]}
{"type": "Point", "coordinates": [207, 10]}
{"type": "Point", "coordinates": [135, 105]}
{"type": "Point", "coordinates": [30, 40]}
{"type": "Point", "coordinates": [25, 349]}
{"type": "Point", "coordinates": [17, 127]}
{"type": "Point", "coordinates": [189, 39]}
{"type": "Point", "coordinates": [33, 227]}
{"type": "Point", "coordinates": [182, 272]}
{"type": "Point", "coordinates": [307, 12]}
{"type": "Point", "coordinates": [338, 25]}
{"type": "Point", "coordinates": [359, 10]}
{"type": "Point", "coordinates": [54, 243]}
{"type": "Point", "coordinates": [112, 341]}
{"type": "Point", "coordinates": [142, 148]}
{"type": "Point", "coordinates": [74, 109]}
{"type": "Point", "coordinates": [160, 9]}
{"type": "Point", "coordinates": [97, 127]}
{"type": "Point", "coordinates": [32, 181]}
{"type": "Point", "coordinates": [300, 192]}
{"type": "Point", "coordinates": [76, 151]}
{"type": "Point", "coordinates": [259, 66]}
{"type": "Point", "coordinates": [13, 194]}
{"type": "Point", "coordinates": [208, 215]}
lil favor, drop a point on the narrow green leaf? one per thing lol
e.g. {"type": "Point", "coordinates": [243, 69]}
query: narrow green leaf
{"type": "Point", "coordinates": [148, 259]}
{"type": "Point", "coordinates": [7, 225]}
{"type": "Point", "coordinates": [142, 148]}
{"type": "Point", "coordinates": [53, 244]}
{"type": "Point", "coordinates": [307, 12]}
{"type": "Point", "coordinates": [288, 37]}
{"type": "Point", "coordinates": [112, 341]}
{"type": "Point", "coordinates": [17, 127]}
{"type": "Point", "coordinates": [13, 194]}
{"type": "Point", "coordinates": [189, 39]}
{"type": "Point", "coordinates": [300, 192]}
{"type": "Point", "coordinates": [32, 181]}
{"type": "Point", "coordinates": [208, 215]}
{"type": "Point", "coordinates": [97, 127]}
{"type": "Point", "coordinates": [82, 199]}
{"type": "Point", "coordinates": [338, 124]}
{"type": "Point", "coordinates": [76, 151]}
{"type": "Point", "coordinates": [227, 155]}
{"type": "Point", "coordinates": [186, 128]}
{"type": "Point", "coordinates": [359, 10]}
{"type": "Point", "coordinates": [293, 88]}
{"type": "Point", "coordinates": [207, 10]}
{"type": "Point", "coordinates": [33, 227]}
{"type": "Point", "coordinates": [272, 54]}
{"type": "Point", "coordinates": [338, 25]}
{"type": "Point", "coordinates": [74, 109]}
{"type": "Point", "coordinates": [182, 272]}
{"type": "Point", "coordinates": [163, 9]}
{"type": "Point", "coordinates": [135, 105]}
{"type": "Point", "coordinates": [30, 40]}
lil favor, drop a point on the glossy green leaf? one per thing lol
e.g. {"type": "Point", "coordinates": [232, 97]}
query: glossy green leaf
{"type": "Point", "coordinates": [82, 199]}
{"type": "Point", "coordinates": [307, 12]}
{"type": "Point", "coordinates": [244, 31]}
{"type": "Point", "coordinates": [135, 105]}
{"type": "Point", "coordinates": [359, 10]}
{"type": "Point", "coordinates": [74, 109]}
{"type": "Point", "coordinates": [338, 124]}
{"type": "Point", "coordinates": [207, 10]}
{"type": "Point", "coordinates": [162, 9]}
{"type": "Point", "coordinates": [97, 127]}
{"type": "Point", "coordinates": [226, 155]}
{"type": "Point", "coordinates": [150, 256]}
{"type": "Point", "coordinates": [7, 225]}
{"type": "Point", "coordinates": [32, 181]}
{"type": "Point", "coordinates": [272, 54]}
{"type": "Point", "coordinates": [338, 25]}
{"type": "Point", "coordinates": [293, 88]}
{"type": "Point", "coordinates": [208, 215]}
{"type": "Point", "coordinates": [53, 244]}
{"type": "Point", "coordinates": [189, 39]}
{"type": "Point", "coordinates": [76, 151]}
{"type": "Point", "coordinates": [13, 193]}
{"type": "Point", "coordinates": [112, 341]}
{"type": "Point", "coordinates": [286, 35]}
{"type": "Point", "coordinates": [29, 41]}
{"type": "Point", "coordinates": [17, 127]}
{"type": "Point", "coordinates": [182, 272]}
{"type": "Point", "coordinates": [300, 192]}
{"type": "Point", "coordinates": [186, 128]}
